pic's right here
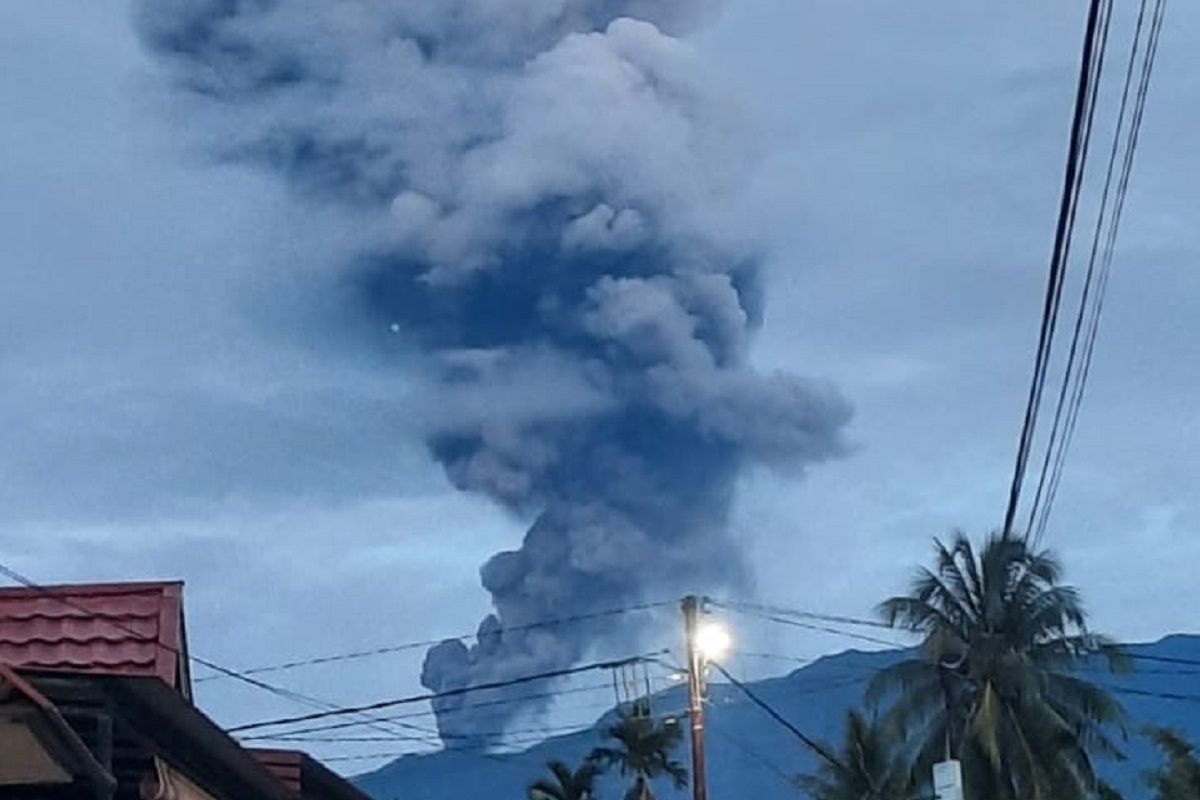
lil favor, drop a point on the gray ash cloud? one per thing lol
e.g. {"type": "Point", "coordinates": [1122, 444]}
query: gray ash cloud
{"type": "Point", "coordinates": [549, 193]}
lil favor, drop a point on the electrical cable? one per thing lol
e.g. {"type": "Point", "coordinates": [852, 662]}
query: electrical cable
{"type": "Point", "coordinates": [1163, 659]}
{"type": "Point", "coordinates": [414, 714]}
{"type": "Point", "coordinates": [734, 605]}
{"type": "Point", "coordinates": [540, 732]}
{"type": "Point", "coordinates": [1189, 698]}
{"type": "Point", "coordinates": [381, 704]}
{"type": "Point", "coordinates": [1078, 381]}
{"type": "Point", "coordinates": [818, 748]}
{"type": "Point", "coordinates": [412, 645]}
{"type": "Point", "coordinates": [1095, 40]}
{"type": "Point", "coordinates": [822, 628]}
{"type": "Point", "coordinates": [766, 763]}
{"type": "Point", "coordinates": [1069, 371]}
{"type": "Point", "coordinates": [774, 657]}
{"type": "Point", "coordinates": [278, 691]}
{"type": "Point", "coordinates": [474, 748]}
{"type": "Point", "coordinates": [141, 637]}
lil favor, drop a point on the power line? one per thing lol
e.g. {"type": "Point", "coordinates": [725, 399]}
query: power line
{"type": "Point", "coordinates": [298, 735]}
{"type": "Point", "coordinates": [1163, 659]}
{"type": "Point", "coordinates": [822, 628]}
{"type": "Point", "coordinates": [545, 730]}
{"type": "Point", "coordinates": [1106, 671]}
{"type": "Point", "coordinates": [1189, 698]}
{"type": "Point", "coordinates": [366, 756]}
{"type": "Point", "coordinates": [774, 657]}
{"type": "Point", "coordinates": [411, 715]}
{"type": "Point", "coordinates": [287, 694]}
{"type": "Point", "coordinates": [1109, 248]}
{"type": "Point", "coordinates": [525, 738]}
{"type": "Point", "coordinates": [825, 686]}
{"type": "Point", "coordinates": [466, 748]}
{"type": "Point", "coordinates": [29, 583]}
{"type": "Point", "coordinates": [773, 612]}
{"type": "Point", "coordinates": [1091, 303]}
{"type": "Point", "coordinates": [837, 682]}
{"type": "Point", "coordinates": [427, 735]}
{"type": "Point", "coordinates": [734, 605]}
{"type": "Point", "coordinates": [534, 735]}
{"type": "Point", "coordinates": [826, 629]}
{"type": "Point", "coordinates": [766, 763]}
{"type": "Point", "coordinates": [547, 623]}
{"type": "Point", "coordinates": [473, 751]}
{"type": "Point", "coordinates": [501, 757]}
{"type": "Point", "coordinates": [808, 741]}
{"type": "Point", "coordinates": [750, 697]}
{"type": "Point", "coordinates": [293, 735]}
{"type": "Point", "coordinates": [413, 645]}
{"type": "Point", "coordinates": [1091, 62]}
{"type": "Point", "coordinates": [1086, 291]}
{"type": "Point", "coordinates": [429, 696]}
{"type": "Point", "coordinates": [1064, 255]}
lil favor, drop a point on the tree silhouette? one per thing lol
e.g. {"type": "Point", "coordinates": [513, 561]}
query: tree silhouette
{"type": "Point", "coordinates": [993, 682]}
{"type": "Point", "coordinates": [642, 748]}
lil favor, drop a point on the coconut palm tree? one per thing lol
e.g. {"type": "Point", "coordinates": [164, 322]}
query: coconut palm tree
{"type": "Point", "coordinates": [565, 783]}
{"type": "Point", "coordinates": [870, 766]}
{"type": "Point", "coordinates": [641, 748]}
{"type": "Point", "coordinates": [1179, 777]}
{"type": "Point", "coordinates": [992, 683]}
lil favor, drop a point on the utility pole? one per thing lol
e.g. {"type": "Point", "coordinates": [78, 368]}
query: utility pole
{"type": "Point", "coordinates": [695, 669]}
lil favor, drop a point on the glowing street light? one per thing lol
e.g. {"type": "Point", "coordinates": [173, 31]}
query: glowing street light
{"type": "Point", "coordinates": [713, 640]}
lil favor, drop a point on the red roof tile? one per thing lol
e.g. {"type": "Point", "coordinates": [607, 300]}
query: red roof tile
{"type": "Point", "coordinates": [132, 629]}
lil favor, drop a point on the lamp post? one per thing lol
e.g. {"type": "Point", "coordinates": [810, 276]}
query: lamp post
{"type": "Point", "coordinates": [706, 641]}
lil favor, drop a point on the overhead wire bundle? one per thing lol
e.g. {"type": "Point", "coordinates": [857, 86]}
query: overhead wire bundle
{"type": "Point", "coordinates": [1142, 54]}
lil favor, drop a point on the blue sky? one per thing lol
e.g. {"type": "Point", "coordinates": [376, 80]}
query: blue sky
{"type": "Point", "coordinates": [171, 413]}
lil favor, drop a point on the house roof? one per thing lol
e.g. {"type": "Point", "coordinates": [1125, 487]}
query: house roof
{"type": "Point", "coordinates": [285, 765]}
{"type": "Point", "coordinates": [63, 740]}
{"type": "Point", "coordinates": [305, 777]}
{"type": "Point", "coordinates": [189, 741]}
{"type": "Point", "coordinates": [128, 629]}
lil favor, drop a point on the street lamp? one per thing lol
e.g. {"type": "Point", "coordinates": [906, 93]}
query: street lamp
{"type": "Point", "coordinates": [712, 640]}
{"type": "Point", "coordinates": [707, 641]}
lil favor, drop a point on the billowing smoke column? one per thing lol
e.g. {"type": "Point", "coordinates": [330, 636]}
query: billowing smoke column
{"type": "Point", "coordinates": [550, 187]}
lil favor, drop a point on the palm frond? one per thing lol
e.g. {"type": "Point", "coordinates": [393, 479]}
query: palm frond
{"type": "Point", "coordinates": [994, 683]}
{"type": "Point", "coordinates": [953, 576]}
{"type": "Point", "coordinates": [933, 589]}
{"type": "Point", "coordinates": [964, 552]}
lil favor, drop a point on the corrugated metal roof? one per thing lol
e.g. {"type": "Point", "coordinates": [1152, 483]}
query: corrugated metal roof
{"type": "Point", "coordinates": [133, 629]}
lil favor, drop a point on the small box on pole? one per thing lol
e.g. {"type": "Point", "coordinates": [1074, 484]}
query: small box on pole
{"type": "Point", "coordinates": [947, 780]}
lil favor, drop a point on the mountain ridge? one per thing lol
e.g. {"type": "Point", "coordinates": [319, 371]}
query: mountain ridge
{"type": "Point", "coordinates": [751, 755]}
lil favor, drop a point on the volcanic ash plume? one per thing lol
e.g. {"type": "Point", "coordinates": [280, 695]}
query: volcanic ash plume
{"type": "Point", "coordinates": [549, 193]}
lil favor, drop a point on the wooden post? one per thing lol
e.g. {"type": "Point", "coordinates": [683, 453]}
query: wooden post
{"type": "Point", "coordinates": [695, 668]}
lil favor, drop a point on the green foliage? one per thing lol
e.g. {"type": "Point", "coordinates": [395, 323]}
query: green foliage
{"type": "Point", "coordinates": [642, 748]}
{"type": "Point", "coordinates": [565, 783]}
{"type": "Point", "coordinates": [870, 766]}
{"type": "Point", "coordinates": [993, 683]}
{"type": "Point", "coordinates": [1179, 777]}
